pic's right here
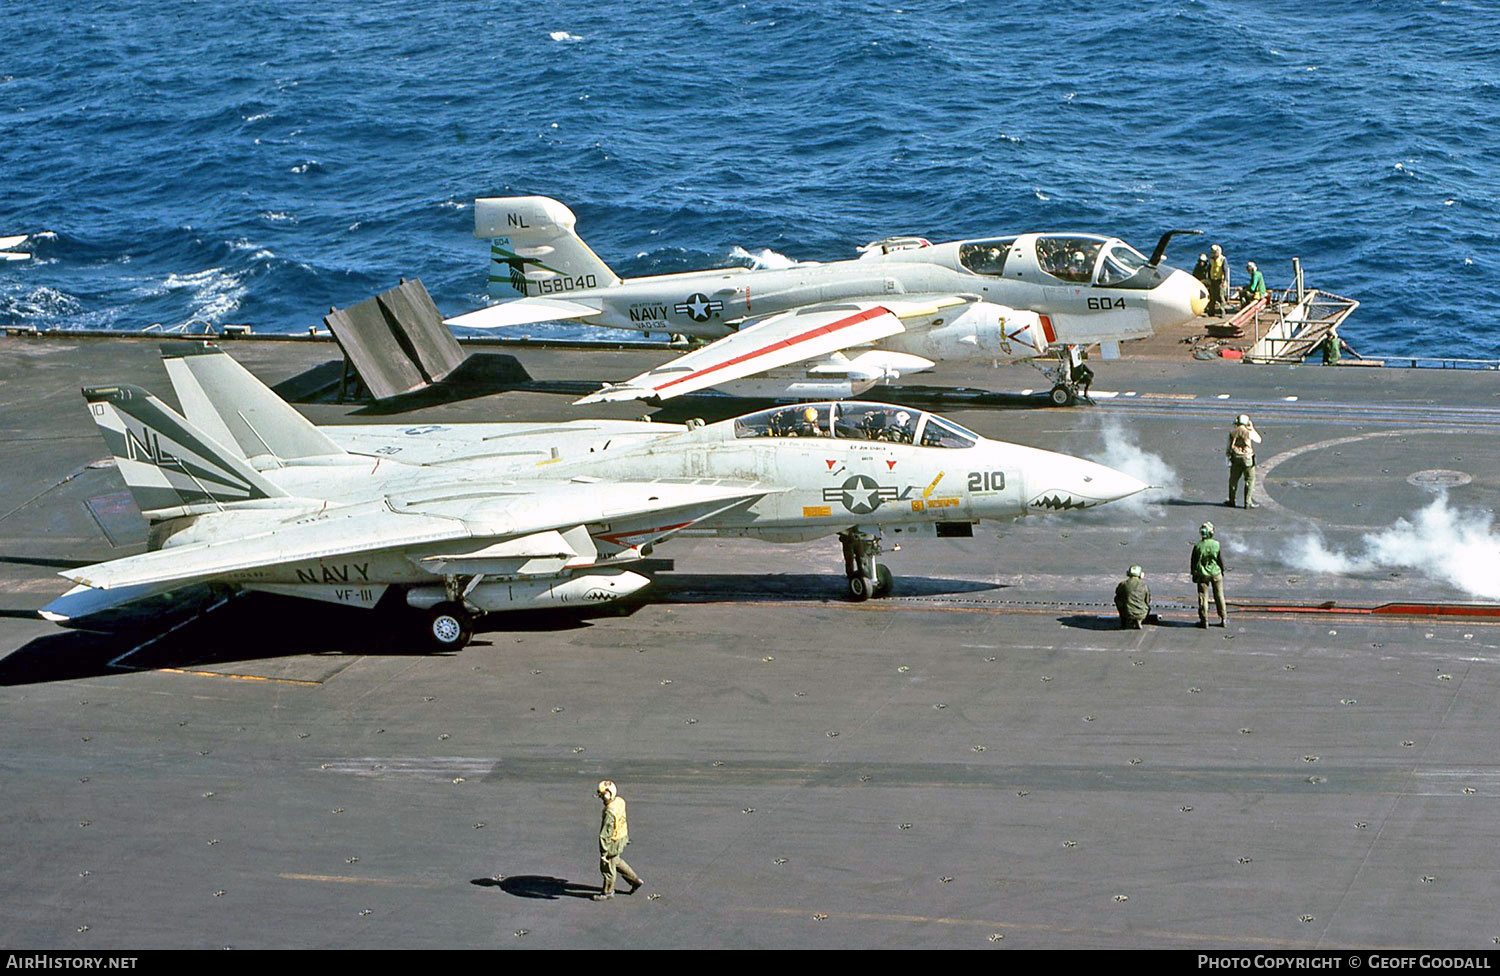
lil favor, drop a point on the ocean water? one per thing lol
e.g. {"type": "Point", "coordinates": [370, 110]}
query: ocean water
{"type": "Point", "coordinates": [261, 161]}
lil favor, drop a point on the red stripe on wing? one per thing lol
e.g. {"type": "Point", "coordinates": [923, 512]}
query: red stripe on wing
{"type": "Point", "coordinates": [821, 330]}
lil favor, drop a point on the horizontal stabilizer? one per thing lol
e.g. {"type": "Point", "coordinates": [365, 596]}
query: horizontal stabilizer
{"type": "Point", "coordinates": [130, 607]}
{"type": "Point", "coordinates": [523, 311]}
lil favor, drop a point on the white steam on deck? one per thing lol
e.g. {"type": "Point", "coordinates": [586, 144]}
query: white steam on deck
{"type": "Point", "coordinates": [1443, 543]}
{"type": "Point", "coordinates": [1124, 453]}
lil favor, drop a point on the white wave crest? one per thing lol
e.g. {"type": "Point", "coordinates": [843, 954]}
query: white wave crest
{"type": "Point", "coordinates": [215, 293]}
{"type": "Point", "coordinates": [564, 37]}
{"type": "Point", "coordinates": [40, 303]}
{"type": "Point", "coordinates": [1451, 545]}
{"type": "Point", "coordinates": [763, 259]}
{"type": "Point", "coordinates": [257, 252]}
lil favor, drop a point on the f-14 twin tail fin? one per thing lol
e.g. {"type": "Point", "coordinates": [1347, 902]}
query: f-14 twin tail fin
{"type": "Point", "coordinates": [170, 465]}
{"type": "Point", "coordinates": [225, 401]}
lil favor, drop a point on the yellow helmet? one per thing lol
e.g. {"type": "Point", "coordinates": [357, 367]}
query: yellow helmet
{"type": "Point", "coordinates": [811, 413]}
{"type": "Point", "coordinates": [606, 789]}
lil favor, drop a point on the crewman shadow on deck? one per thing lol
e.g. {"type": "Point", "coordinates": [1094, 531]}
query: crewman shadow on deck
{"type": "Point", "coordinates": [538, 886]}
{"type": "Point", "coordinates": [778, 587]}
{"type": "Point", "coordinates": [1191, 503]}
{"type": "Point", "coordinates": [1091, 621]}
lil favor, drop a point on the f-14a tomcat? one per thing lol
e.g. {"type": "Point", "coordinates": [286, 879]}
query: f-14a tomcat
{"type": "Point", "coordinates": [447, 522]}
{"type": "Point", "coordinates": [837, 329]}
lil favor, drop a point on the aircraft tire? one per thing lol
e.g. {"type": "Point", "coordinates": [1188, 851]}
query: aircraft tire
{"type": "Point", "coordinates": [861, 588]}
{"type": "Point", "coordinates": [1062, 396]}
{"type": "Point", "coordinates": [883, 581]}
{"type": "Point", "coordinates": [448, 626]}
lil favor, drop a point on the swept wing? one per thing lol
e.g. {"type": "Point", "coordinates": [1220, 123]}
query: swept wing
{"type": "Point", "coordinates": [777, 340]}
{"type": "Point", "coordinates": [525, 311]}
{"type": "Point", "coordinates": [637, 512]}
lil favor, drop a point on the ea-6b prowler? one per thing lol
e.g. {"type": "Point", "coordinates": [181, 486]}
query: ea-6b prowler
{"type": "Point", "coordinates": [822, 331]}
{"type": "Point", "coordinates": [448, 522]}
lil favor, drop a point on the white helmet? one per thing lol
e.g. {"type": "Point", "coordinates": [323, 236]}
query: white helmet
{"type": "Point", "coordinates": [1135, 571]}
{"type": "Point", "coordinates": [606, 790]}
{"type": "Point", "coordinates": [1243, 420]}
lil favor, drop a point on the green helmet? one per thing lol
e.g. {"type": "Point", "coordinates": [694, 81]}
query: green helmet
{"type": "Point", "coordinates": [1206, 530]}
{"type": "Point", "coordinates": [1135, 571]}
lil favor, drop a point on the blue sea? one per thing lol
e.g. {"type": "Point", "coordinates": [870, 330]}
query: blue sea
{"type": "Point", "coordinates": [258, 162]}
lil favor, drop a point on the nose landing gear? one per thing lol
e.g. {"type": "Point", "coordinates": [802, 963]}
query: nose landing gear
{"type": "Point", "coordinates": [867, 577]}
{"type": "Point", "coordinates": [1070, 376]}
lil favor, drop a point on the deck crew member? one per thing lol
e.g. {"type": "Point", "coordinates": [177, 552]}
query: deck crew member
{"type": "Point", "coordinates": [614, 834]}
{"type": "Point", "coordinates": [1256, 289]}
{"type": "Point", "coordinates": [1206, 567]}
{"type": "Point", "coordinates": [1083, 378]}
{"type": "Point", "coordinates": [1331, 347]}
{"type": "Point", "coordinates": [1218, 280]}
{"type": "Point", "coordinates": [1241, 454]}
{"type": "Point", "coordinates": [1133, 599]}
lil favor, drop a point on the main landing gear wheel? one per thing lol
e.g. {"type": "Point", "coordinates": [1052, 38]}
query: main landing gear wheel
{"type": "Point", "coordinates": [883, 580]}
{"type": "Point", "coordinates": [861, 588]}
{"type": "Point", "coordinates": [1062, 396]}
{"type": "Point", "coordinates": [450, 626]}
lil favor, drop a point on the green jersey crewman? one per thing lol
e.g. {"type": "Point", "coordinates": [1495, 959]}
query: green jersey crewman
{"type": "Point", "coordinates": [1206, 567]}
{"type": "Point", "coordinates": [1133, 599]}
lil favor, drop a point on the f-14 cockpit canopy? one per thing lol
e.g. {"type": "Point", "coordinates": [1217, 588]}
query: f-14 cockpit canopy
{"type": "Point", "coordinates": [853, 420]}
{"type": "Point", "coordinates": [1078, 258]}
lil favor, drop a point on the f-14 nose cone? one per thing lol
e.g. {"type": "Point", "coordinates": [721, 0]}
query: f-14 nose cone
{"type": "Point", "coordinates": [1071, 483]}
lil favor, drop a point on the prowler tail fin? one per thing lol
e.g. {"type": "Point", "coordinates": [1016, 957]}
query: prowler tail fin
{"type": "Point", "coordinates": [534, 250]}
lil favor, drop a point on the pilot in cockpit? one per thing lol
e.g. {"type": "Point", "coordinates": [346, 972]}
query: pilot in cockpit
{"type": "Point", "coordinates": [796, 422]}
{"type": "Point", "coordinates": [901, 431]}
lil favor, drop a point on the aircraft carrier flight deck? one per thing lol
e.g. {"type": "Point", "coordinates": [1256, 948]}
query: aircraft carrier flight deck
{"type": "Point", "coordinates": [981, 760]}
